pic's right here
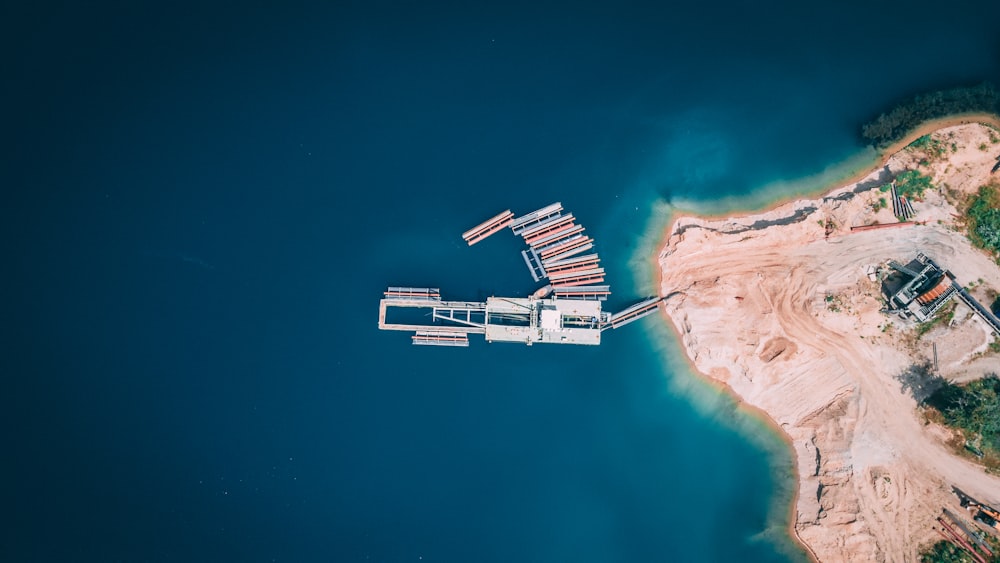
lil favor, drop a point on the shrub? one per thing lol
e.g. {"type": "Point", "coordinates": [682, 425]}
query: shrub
{"type": "Point", "coordinates": [912, 184]}
{"type": "Point", "coordinates": [945, 552]}
{"type": "Point", "coordinates": [973, 408]}
{"type": "Point", "coordinates": [983, 218]}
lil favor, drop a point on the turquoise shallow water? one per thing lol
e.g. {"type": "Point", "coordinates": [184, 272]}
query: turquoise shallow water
{"type": "Point", "coordinates": [206, 202]}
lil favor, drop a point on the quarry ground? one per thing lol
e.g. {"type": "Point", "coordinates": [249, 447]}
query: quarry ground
{"type": "Point", "coordinates": [779, 307]}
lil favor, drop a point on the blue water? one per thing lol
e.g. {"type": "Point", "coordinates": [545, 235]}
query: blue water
{"type": "Point", "coordinates": [203, 205]}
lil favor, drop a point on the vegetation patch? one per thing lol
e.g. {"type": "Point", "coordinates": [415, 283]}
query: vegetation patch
{"type": "Point", "coordinates": [931, 148]}
{"type": "Point", "coordinates": [906, 116]}
{"type": "Point", "coordinates": [982, 218]}
{"type": "Point", "coordinates": [878, 204]}
{"type": "Point", "coordinates": [974, 410]}
{"type": "Point", "coordinates": [835, 303]}
{"type": "Point", "coordinates": [912, 184]}
{"type": "Point", "coordinates": [946, 552]}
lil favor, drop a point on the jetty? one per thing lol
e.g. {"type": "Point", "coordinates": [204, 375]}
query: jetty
{"type": "Point", "coordinates": [565, 318]}
{"type": "Point", "coordinates": [567, 310]}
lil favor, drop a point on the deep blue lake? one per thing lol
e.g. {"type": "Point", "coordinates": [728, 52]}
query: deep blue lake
{"type": "Point", "coordinates": [204, 204]}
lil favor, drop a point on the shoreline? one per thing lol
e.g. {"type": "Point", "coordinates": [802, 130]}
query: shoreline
{"type": "Point", "coordinates": [882, 157]}
{"type": "Point", "coordinates": [755, 412]}
{"type": "Point", "coordinates": [760, 416]}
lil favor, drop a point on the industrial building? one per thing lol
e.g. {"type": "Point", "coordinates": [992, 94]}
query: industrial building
{"type": "Point", "coordinates": [918, 289]}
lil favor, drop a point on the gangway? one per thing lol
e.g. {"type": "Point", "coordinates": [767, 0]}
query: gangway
{"type": "Point", "coordinates": [534, 264]}
{"type": "Point", "coordinates": [633, 313]}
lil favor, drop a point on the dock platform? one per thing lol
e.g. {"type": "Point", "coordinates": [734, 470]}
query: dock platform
{"type": "Point", "coordinates": [500, 319]}
{"type": "Point", "coordinates": [573, 315]}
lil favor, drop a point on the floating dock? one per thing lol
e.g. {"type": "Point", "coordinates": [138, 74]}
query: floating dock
{"type": "Point", "coordinates": [586, 277]}
{"type": "Point", "coordinates": [535, 217]}
{"type": "Point", "coordinates": [418, 293]}
{"type": "Point", "coordinates": [566, 249]}
{"type": "Point", "coordinates": [436, 338]}
{"type": "Point", "coordinates": [488, 227]}
{"type": "Point", "coordinates": [547, 229]}
{"type": "Point", "coordinates": [595, 292]}
{"type": "Point", "coordinates": [554, 239]}
{"type": "Point", "coordinates": [589, 261]}
{"type": "Point", "coordinates": [568, 310]}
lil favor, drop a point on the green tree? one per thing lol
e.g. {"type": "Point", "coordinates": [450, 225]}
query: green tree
{"type": "Point", "coordinates": [983, 218]}
{"type": "Point", "coordinates": [892, 126]}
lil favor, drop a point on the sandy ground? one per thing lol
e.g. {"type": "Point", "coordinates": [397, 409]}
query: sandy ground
{"type": "Point", "coordinates": [783, 312]}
